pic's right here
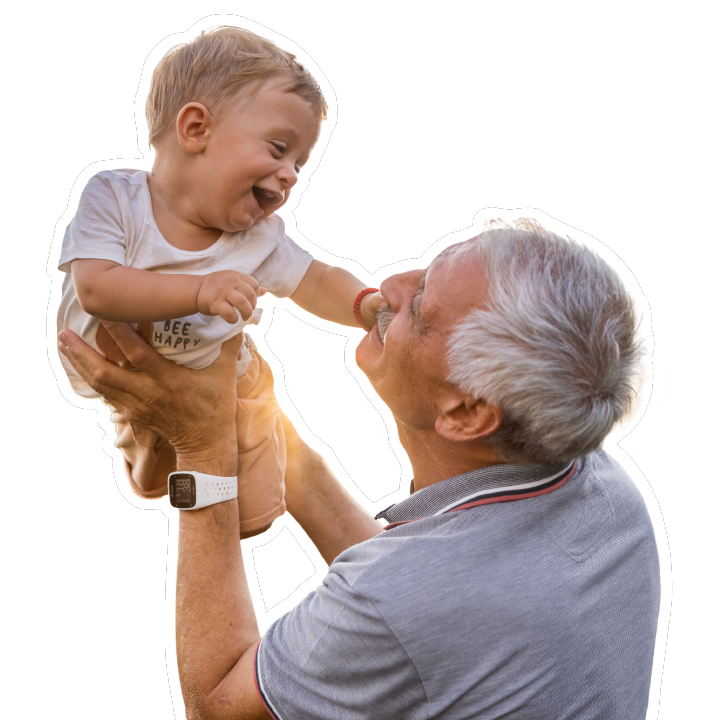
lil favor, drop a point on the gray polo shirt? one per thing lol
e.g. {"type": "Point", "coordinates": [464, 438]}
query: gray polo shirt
{"type": "Point", "coordinates": [513, 592]}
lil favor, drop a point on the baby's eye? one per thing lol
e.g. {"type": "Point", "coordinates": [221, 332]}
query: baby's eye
{"type": "Point", "coordinates": [280, 148]}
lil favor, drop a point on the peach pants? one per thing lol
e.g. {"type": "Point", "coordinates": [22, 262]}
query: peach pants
{"type": "Point", "coordinates": [149, 458]}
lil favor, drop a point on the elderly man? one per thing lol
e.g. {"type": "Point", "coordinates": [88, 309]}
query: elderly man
{"type": "Point", "coordinates": [519, 580]}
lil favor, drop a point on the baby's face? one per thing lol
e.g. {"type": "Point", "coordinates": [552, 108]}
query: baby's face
{"type": "Point", "coordinates": [253, 156]}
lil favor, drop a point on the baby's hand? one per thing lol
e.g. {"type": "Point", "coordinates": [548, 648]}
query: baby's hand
{"type": "Point", "coordinates": [221, 293]}
{"type": "Point", "coordinates": [369, 307]}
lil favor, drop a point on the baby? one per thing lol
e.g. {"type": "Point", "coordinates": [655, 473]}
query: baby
{"type": "Point", "coordinates": [183, 252]}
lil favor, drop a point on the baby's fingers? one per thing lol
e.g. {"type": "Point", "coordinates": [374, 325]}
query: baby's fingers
{"type": "Point", "coordinates": [243, 304]}
{"type": "Point", "coordinates": [226, 311]}
{"type": "Point", "coordinates": [377, 301]}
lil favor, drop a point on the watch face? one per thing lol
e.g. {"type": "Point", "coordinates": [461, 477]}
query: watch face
{"type": "Point", "coordinates": [182, 490]}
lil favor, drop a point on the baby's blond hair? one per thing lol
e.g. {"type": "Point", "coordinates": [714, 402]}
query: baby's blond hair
{"type": "Point", "coordinates": [214, 67]}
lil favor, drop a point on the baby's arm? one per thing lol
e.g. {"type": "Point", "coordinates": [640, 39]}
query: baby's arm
{"type": "Point", "coordinates": [109, 291]}
{"type": "Point", "coordinates": [329, 292]}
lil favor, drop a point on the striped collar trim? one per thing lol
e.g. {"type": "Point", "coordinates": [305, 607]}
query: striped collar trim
{"type": "Point", "coordinates": [497, 483]}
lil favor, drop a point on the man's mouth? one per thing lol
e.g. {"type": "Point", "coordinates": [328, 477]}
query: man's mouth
{"type": "Point", "coordinates": [267, 198]}
{"type": "Point", "coordinates": [384, 318]}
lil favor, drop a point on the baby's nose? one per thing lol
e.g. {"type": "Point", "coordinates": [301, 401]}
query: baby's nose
{"type": "Point", "coordinates": [288, 175]}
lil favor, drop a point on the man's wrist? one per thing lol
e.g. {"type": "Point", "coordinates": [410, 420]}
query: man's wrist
{"type": "Point", "coordinates": [221, 459]}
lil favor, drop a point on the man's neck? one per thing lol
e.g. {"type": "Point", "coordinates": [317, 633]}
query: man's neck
{"type": "Point", "coordinates": [434, 459]}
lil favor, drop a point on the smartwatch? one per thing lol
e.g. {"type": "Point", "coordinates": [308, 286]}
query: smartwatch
{"type": "Point", "coordinates": [189, 490]}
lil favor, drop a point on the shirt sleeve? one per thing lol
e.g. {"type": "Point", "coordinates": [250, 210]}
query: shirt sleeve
{"type": "Point", "coordinates": [96, 231]}
{"type": "Point", "coordinates": [334, 657]}
{"type": "Point", "coordinates": [283, 269]}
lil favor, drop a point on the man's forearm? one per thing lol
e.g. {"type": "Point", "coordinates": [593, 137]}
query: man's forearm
{"type": "Point", "coordinates": [333, 520]}
{"type": "Point", "coordinates": [216, 628]}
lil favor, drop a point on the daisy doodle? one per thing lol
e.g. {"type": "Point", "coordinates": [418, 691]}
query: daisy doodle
{"type": "Point", "coordinates": [30, 566]}
{"type": "Point", "coordinates": [120, 610]}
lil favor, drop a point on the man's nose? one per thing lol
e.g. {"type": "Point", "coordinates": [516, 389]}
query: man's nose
{"type": "Point", "coordinates": [399, 287]}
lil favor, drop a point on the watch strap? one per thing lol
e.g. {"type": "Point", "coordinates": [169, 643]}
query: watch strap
{"type": "Point", "coordinates": [208, 489]}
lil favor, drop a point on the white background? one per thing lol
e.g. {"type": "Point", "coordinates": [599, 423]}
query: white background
{"type": "Point", "coordinates": [603, 116]}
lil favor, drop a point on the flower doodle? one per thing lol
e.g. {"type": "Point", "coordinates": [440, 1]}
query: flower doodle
{"type": "Point", "coordinates": [29, 566]}
{"type": "Point", "coordinates": [120, 610]}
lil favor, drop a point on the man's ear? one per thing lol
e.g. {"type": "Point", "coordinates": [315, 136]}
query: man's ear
{"type": "Point", "coordinates": [468, 419]}
{"type": "Point", "coordinates": [193, 127]}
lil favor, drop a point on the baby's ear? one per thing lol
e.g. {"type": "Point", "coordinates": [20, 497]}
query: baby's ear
{"type": "Point", "coordinates": [192, 126]}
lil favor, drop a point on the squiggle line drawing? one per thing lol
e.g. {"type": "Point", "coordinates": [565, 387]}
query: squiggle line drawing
{"type": "Point", "coordinates": [680, 478]}
{"type": "Point", "coordinates": [66, 653]}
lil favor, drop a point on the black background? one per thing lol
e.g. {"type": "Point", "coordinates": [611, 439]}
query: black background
{"type": "Point", "coordinates": [59, 493]}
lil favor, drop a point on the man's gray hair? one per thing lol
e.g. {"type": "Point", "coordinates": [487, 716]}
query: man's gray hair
{"type": "Point", "coordinates": [556, 349]}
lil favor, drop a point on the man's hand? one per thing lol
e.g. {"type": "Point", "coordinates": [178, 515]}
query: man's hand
{"type": "Point", "coordinates": [222, 293]}
{"type": "Point", "coordinates": [369, 307]}
{"type": "Point", "coordinates": [193, 409]}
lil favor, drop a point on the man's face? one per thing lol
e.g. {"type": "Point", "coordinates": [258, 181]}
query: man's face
{"type": "Point", "coordinates": [409, 369]}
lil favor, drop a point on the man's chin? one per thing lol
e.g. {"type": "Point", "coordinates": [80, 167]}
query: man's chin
{"type": "Point", "coordinates": [368, 352]}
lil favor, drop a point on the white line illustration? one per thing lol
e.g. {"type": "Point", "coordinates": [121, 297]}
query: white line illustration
{"type": "Point", "coordinates": [30, 566]}
{"type": "Point", "coordinates": [121, 610]}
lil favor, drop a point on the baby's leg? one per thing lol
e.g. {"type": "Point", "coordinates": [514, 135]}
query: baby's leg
{"type": "Point", "coordinates": [149, 458]}
{"type": "Point", "coordinates": [261, 442]}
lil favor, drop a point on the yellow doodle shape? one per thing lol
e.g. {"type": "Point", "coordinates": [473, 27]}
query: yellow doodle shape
{"type": "Point", "coordinates": [667, 379]}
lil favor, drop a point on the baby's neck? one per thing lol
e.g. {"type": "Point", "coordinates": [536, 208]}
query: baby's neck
{"type": "Point", "coordinates": [173, 211]}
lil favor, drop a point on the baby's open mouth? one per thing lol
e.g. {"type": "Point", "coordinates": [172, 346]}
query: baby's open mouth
{"type": "Point", "coordinates": [267, 198]}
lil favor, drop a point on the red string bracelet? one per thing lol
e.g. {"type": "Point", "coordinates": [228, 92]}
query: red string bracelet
{"type": "Point", "coordinates": [356, 307]}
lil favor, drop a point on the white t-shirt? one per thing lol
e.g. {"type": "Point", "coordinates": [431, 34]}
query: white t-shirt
{"type": "Point", "coordinates": [115, 222]}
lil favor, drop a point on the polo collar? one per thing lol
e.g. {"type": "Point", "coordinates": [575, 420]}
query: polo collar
{"type": "Point", "coordinates": [496, 483]}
